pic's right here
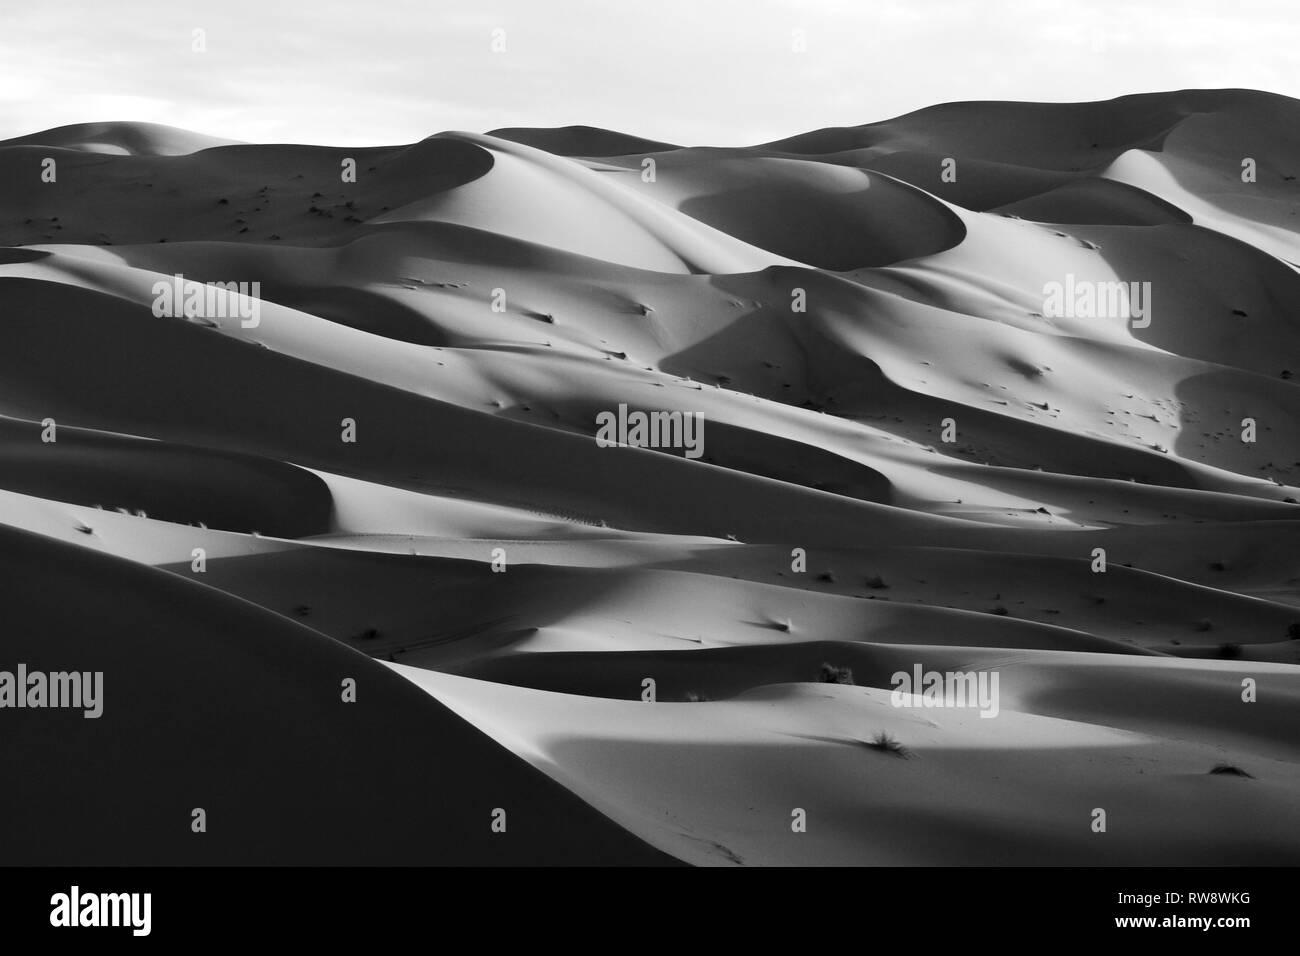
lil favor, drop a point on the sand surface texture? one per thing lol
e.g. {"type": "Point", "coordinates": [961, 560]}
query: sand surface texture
{"type": "Point", "coordinates": [507, 594]}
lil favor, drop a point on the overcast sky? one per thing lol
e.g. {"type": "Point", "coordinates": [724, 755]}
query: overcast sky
{"type": "Point", "coordinates": [715, 72]}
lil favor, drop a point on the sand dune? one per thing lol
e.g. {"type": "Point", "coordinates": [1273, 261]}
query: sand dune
{"type": "Point", "coordinates": [908, 460]}
{"type": "Point", "coordinates": [121, 139]}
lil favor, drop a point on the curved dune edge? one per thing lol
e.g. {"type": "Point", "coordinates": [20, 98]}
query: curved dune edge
{"type": "Point", "coordinates": [718, 783]}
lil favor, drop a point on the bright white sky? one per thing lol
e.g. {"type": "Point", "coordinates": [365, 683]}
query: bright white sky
{"type": "Point", "coordinates": [704, 72]}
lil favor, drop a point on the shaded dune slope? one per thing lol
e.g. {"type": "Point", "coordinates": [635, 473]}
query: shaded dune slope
{"type": "Point", "coordinates": [213, 703]}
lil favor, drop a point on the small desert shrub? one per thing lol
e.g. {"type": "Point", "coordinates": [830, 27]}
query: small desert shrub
{"type": "Point", "coordinates": [876, 582]}
{"type": "Point", "coordinates": [1229, 651]}
{"type": "Point", "coordinates": [1205, 624]}
{"type": "Point", "coordinates": [1293, 631]}
{"type": "Point", "coordinates": [888, 744]}
{"type": "Point", "coordinates": [830, 674]}
{"type": "Point", "coordinates": [998, 609]}
{"type": "Point", "coordinates": [694, 698]}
